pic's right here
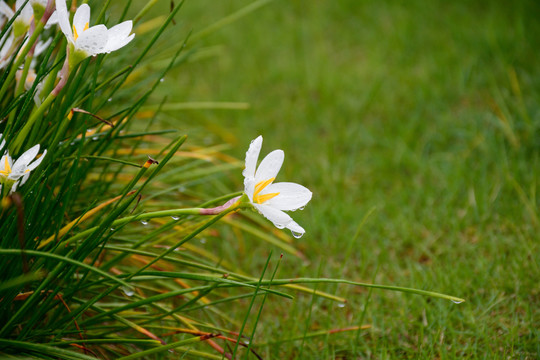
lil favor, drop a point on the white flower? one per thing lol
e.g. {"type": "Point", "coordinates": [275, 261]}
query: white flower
{"type": "Point", "coordinates": [6, 49]}
{"type": "Point", "coordinates": [268, 198]}
{"type": "Point", "coordinates": [89, 41]}
{"type": "Point", "coordinates": [16, 174]}
{"type": "Point", "coordinates": [22, 22]}
{"type": "Point", "coordinates": [33, 9]}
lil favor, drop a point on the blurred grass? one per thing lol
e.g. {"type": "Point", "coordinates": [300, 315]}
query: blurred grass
{"type": "Point", "coordinates": [421, 118]}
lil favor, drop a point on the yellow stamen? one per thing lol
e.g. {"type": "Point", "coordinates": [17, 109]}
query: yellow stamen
{"type": "Point", "coordinates": [7, 168]}
{"type": "Point", "coordinates": [259, 199]}
{"type": "Point", "coordinates": [75, 34]}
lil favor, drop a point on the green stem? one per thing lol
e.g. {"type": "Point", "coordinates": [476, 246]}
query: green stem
{"type": "Point", "coordinates": [20, 58]}
{"type": "Point", "coordinates": [21, 136]}
{"type": "Point", "coordinates": [22, 80]}
{"type": "Point", "coordinates": [166, 347]}
{"type": "Point", "coordinates": [145, 216]}
{"type": "Point", "coordinates": [374, 286]}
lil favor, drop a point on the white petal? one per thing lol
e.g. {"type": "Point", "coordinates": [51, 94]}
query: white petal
{"type": "Point", "coordinates": [296, 229]}
{"type": "Point", "coordinates": [22, 162]}
{"type": "Point", "coordinates": [249, 187]}
{"type": "Point", "coordinates": [53, 20]}
{"type": "Point", "coordinates": [14, 187]}
{"type": "Point", "coordinates": [81, 18]}
{"type": "Point", "coordinates": [252, 155]}
{"type": "Point", "coordinates": [291, 196]}
{"type": "Point", "coordinates": [38, 161]}
{"type": "Point", "coordinates": [93, 40]}
{"type": "Point", "coordinates": [26, 13]}
{"type": "Point", "coordinates": [119, 36]}
{"type": "Point", "coordinates": [41, 46]}
{"type": "Point", "coordinates": [270, 165]}
{"type": "Point", "coordinates": [277, 217]}
{"type": "Point", "coordinates": [22, 180]}
{"type": "Point", "coordinates": [6, 10]}
{"type": "Point", "coordinates": [118, 43]}
{"type": "Point", "coordinates": [63, 19]}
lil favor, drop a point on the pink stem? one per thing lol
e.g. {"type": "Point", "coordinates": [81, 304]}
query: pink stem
{"type": "Point", "coordinates": [64, 75]}
{"type": "Point", "coordinates": [48, 11]}
{"type": "Point", "coordinates": [219, 209]}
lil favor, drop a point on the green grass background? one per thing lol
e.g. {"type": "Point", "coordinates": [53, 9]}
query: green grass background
{"type": "Point", "coordinates": [416, 126]}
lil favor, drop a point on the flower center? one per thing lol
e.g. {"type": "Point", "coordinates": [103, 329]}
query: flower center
{"type": "Point", "coordinates": [75, 34]}
{"type": "Point", "coordinates": [259, 199]}
{"type": "Point", "coordinates": [7, 168]}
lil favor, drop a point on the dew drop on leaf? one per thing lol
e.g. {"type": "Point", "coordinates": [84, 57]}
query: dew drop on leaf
{"type": "Point", "coordinates": [128, 291]}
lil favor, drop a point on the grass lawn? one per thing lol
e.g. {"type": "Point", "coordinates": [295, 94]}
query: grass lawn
{"type": "Point", "coordinates": [416, 126]}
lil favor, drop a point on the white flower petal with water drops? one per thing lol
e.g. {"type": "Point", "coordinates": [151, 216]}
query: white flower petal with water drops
{"type": "Point", "coordinates": [291, 196]}
{"type": "Point", "coordinates": [119, 36]}
{"type": "Point", "coordinates": [93, 40]}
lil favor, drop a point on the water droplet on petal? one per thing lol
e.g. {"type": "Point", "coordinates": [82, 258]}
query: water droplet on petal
{"type": "Point", "coordinates": [297, 234]}
{"type": "Point", "coordinates": [301, 208]}
{"type": "Point", "coordinates": [175, 217]}
{"type": "Point", "coordinates": [279, 226]}
{"type": "Point", "coordinates": [144, 222]}
{"type": "Point", "coordinates": [128, 291]}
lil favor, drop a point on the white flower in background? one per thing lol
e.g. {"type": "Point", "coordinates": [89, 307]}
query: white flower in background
{"type": "Point", "coordinates": [16, 174]}
{"type": "Point", "coordinates": [88, 41]}
{"type": "Point", "coordinates": [33, 9]}
{"type": "Point", "coordinates": [270, 198]}
{"type": "Point", "coordinates": [22, 22]}
{"type": "Point", "coordinates": [6, 43]}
